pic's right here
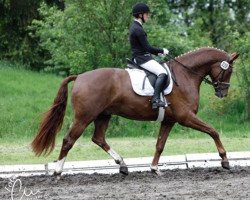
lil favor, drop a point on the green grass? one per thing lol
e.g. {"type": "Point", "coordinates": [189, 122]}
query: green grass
{"type": "Point", "coordinates": [21, 153]}
{"type": "Point", "coordinates": [25, 95]}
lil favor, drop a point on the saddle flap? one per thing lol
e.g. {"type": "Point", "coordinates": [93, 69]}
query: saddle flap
{"type": "Point", "coordinates": [151, 77]}
{"type": "Point", "coordinates": [142, 85]}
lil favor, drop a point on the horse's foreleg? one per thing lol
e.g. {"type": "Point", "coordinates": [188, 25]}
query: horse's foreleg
{"type": "Point", "coordinates": [162, 138]}
{"type": "Point", "coordinates": [69, 140]}
{"type": "Point", "coordinates": [101, 125]}
{"type": "Point", "coordinates": [194, 122]}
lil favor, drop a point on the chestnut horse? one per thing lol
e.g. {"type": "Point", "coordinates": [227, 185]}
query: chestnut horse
{"type": "Point", "coordinates": [98, 94]}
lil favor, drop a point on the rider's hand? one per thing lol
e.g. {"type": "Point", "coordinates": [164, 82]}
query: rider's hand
{"type": "Point", "coordinates": [165, 51]}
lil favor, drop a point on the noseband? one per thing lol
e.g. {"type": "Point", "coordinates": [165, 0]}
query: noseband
{"type": "Point", "coordinates": [220, 85]}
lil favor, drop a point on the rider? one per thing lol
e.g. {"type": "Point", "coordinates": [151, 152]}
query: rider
{"type": "Point", "coordinates": [142, 50]}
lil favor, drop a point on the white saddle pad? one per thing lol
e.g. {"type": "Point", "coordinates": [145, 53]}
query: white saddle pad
{"type": "Point", "coordinates": [137, 78]}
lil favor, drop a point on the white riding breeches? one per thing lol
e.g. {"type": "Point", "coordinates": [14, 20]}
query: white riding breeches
{"type": "Point", "coordinates": [154, 67]}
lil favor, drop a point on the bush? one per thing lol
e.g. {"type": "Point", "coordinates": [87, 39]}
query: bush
{"type": "Point", "coordinates": [82, 42]}
{"type": "Point", "coordinates": [242, 44]}
{"type": "Point", "coordinates": [98, 35]}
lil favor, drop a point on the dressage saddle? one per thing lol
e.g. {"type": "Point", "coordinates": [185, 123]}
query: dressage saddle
{"type": "Point", "coordinates": [151, 77]}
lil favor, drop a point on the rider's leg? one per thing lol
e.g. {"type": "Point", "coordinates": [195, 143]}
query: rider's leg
{"type": "Point", "coordinates": [159, 86]}
{"type": "Point", "coordinates": [154, 67]}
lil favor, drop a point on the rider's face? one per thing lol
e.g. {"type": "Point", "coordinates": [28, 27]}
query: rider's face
{"type": "Point", "coordinates": [146, 16]}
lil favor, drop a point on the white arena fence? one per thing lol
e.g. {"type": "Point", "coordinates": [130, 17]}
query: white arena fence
{"type": "Point", "coordinates": [204, 160]}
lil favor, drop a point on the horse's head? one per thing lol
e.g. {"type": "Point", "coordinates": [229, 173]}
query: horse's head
{"type": "Point", "coordinates": [221, 73]}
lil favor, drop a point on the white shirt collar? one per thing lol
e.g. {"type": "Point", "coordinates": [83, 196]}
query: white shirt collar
{"type": "Point", "coordinates": [138, 21]}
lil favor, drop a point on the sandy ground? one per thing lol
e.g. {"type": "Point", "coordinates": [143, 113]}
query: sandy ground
{"type": "Point", "coordinates": [213, 183]}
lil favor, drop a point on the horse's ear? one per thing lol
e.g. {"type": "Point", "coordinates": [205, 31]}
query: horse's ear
{"type": "Point", "coordinates": [233, 57]}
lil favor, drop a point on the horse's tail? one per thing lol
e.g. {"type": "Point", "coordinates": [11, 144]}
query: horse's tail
{"type": "Point", "coordinates": [52, 122]}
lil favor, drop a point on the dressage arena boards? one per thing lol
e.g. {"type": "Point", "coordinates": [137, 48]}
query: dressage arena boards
{"type": "Point", "coordinates": [205, 160]}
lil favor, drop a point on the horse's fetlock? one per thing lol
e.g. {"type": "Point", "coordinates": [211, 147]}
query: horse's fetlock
{"type": "Point", "coordinates": [222, 155]}
{"type": "Point", "coordinates": [118, 162]}
{"type": "Point", "coordinates": [154, 167]}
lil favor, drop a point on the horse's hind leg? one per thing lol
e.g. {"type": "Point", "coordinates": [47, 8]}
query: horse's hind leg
{"type": "Point", "coordinates": [101, 125]}
{"type": "Point", "coordinates": [74, 133]}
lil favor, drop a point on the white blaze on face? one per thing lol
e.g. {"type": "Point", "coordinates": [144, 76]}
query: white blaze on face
{"type": "Point", "coordinates": [59, 165]}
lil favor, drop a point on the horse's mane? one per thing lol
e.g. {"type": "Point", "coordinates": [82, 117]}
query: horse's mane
{"type": "Point", "coordinates": [199, 49]}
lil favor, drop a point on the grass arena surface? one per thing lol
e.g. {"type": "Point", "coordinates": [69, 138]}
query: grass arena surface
{"type": "Point", "coordinates": [210, 183]}
{"type": "Point", "coordinates": [19, 152]}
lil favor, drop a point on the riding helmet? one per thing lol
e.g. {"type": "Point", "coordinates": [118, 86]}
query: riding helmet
{"type": "Point", "coordinates": [140, 8]}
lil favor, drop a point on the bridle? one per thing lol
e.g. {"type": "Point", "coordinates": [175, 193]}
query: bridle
{"type": "Point", "coordinates": [218, 85]}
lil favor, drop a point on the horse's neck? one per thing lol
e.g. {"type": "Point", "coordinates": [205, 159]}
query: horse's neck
{"type": "Point", "coordinates": [200, 61]}
{"type": "Point", "coordinates": [189, 81]}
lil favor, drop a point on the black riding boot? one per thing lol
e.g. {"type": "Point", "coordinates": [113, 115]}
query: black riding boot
{"type": "Point", "coordinates": [159, 86]}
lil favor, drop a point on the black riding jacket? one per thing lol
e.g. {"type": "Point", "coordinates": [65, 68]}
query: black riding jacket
{"type": "Point", "coordinates": [141, 49]}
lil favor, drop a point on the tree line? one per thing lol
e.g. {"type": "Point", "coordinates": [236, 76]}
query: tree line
{"type": "Point", "coordinates": [74, 36]}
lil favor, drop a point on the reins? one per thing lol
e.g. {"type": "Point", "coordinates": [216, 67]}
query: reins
{"type": "Point", "coordinates": [205, 79]}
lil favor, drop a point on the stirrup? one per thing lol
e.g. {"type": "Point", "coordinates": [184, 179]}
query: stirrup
{"type": "Point", "coordinates": [158, 103]}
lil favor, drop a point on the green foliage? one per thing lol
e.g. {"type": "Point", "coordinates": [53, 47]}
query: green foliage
{"type": "Point", "coordinates": [100, 34]}
{"type": "Point", "coordinates": [77, 36]}
{"type": "Point", "coordinates": [15, 17]}
{"type": "Point", "coordinates": [166, 30]}
{"type": "Point", "coordinates": [215, 20]}
{"type": "Point", "coordinates": [16, 43]}
{"type": "Point", "coordinates": [242, 44]}
{"type": "Point", "coordinates": [96, 36]}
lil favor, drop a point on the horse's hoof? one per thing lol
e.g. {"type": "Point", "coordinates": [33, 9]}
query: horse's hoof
{"type": "Point", "coordinates": [157, 172]}
{"type": "Point", "coordinates": [225, 164]}
{"type": "Point", "coordinates": [57, 175]}
{"type": "Point", "coordinates": [124, 170]}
